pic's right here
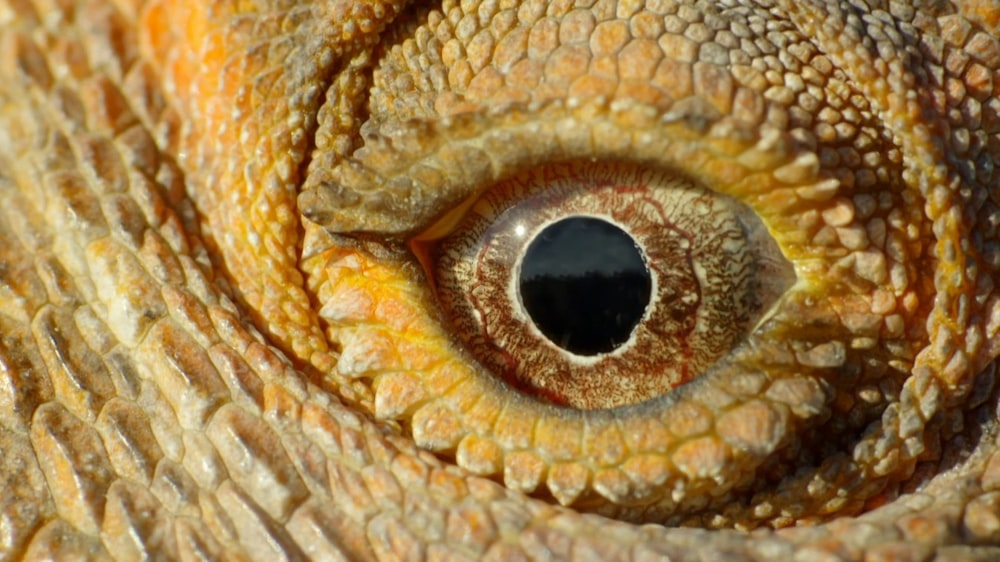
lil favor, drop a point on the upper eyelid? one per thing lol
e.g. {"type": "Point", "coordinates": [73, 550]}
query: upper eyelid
{"type": "Point", "coordinates": [399, 182]}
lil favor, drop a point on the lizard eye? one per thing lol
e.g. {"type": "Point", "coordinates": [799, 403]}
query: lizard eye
{"type": "Point", "coordinates": [737, 393]}
{"type": "Point", "coordinates": [597, 285]}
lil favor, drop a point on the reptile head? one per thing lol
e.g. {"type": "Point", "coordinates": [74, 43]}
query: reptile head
{"type": "Point", "coordinates": [265, 280]}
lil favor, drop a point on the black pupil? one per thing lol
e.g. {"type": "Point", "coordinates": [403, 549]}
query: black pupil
{"type": "Point", "coordinates": [584, 284]}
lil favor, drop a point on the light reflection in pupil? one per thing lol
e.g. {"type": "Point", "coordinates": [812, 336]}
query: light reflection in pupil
{"type": "Point", "coordinates": [585, 284]}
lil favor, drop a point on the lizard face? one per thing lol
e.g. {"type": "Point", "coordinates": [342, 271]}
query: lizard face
{"type": "Point", "coordinates": [235, 289]}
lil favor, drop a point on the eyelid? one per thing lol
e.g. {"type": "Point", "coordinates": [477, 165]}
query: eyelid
{"type": "Point", "coordinates": [399, 184]}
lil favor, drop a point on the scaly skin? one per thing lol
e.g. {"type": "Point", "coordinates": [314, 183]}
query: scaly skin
{"type": "Point", "coordinates": [191, 369]}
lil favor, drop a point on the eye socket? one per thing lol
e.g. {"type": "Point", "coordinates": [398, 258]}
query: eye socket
{"type": "Point", "coordinates": [598, 285]}
{"type": "Point", "coordinates": [801, 380]}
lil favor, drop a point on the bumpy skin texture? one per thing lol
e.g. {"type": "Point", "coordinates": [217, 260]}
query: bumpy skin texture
{"type": "Point", "coordinates": [182, 375]}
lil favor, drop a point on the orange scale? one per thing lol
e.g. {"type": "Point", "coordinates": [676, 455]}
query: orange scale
{"type": "Point", "coordinates": [513, 429]}
{"type": "Point", "coordinates": [397, 394]}
{"type": "Point", "coordinates": [396, 311]}
{"type": "Point", "coordinates": [346, 303]}
{"type": "Point", "coordinates": [567, 482]}
{"type": "Point", "coordinates": [702, 458]}
{"type": "Point", "coordinates": [553, 438]}
{"type": "Point", "coordinates": [418, 354]}
{"type": "Point", "coordinates": [463, 396]}
{"type": "Point", "coordinates": [523, 471]}
{"type": "Point", "coordinates": [755, 426]}
{"type": "Point", "coordinates": [481, 417]}
{"type": "Point", "coordinates": [447, 486]}
{"type": "Point", "coordinates": [615, 486]}
{"type": "Point", "coordinates": [438, 380]}
{"type": "Point", "coordinates": [366, 351]}
{"type": "Point", "coordinates": [479, 455]}
{"type": "Point", "coordinates": [436, 427]}
{"type": "Point", "coordinates": [646, 434]}
{"type": "Point", "coordinates": [648, 471]}
{"type": "Point", "coordinates": [605, 444]}
{"type": "Point", "coordinates": [687, 419]}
